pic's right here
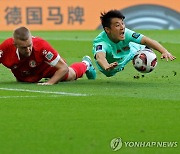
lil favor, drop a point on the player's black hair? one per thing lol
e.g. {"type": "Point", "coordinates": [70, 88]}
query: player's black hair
{"type": "Point", "coordinates": [107, 16]}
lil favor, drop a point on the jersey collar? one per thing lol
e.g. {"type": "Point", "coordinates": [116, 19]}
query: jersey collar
{"type": "Point", "coordinates": [17, 52]}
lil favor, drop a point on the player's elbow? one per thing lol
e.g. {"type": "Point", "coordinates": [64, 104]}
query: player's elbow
{"type": "Point", "coordinates": [65, 69]}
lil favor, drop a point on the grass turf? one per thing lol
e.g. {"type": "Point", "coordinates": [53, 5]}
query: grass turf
{"type": "Point", "coordinates": [135, 109]}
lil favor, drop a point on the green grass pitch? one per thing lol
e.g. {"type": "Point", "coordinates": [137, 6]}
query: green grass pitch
{"type": "Point", "coordinates": [83, 116]}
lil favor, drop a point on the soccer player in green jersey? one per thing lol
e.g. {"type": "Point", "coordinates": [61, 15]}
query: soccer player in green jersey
{"type": "Point", "coordinates": [116, 45]}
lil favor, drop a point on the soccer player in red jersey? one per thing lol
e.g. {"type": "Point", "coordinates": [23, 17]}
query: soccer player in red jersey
{"type": "Point", "coordinates": [32, 58]}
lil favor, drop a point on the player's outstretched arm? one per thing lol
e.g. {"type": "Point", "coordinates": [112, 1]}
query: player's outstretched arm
{"type": "Point", "coordinates": [157, 46]}
{"type": "Point", "coordinates": [62, 69]}
{"type": "Point", "coordinates": [102, 61]}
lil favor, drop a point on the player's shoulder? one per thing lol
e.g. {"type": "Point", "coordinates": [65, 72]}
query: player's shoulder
{"type": "Point", "coordinates": [128, 31]}
{"type": "Point", "coordinates": [8, 41]}
{"type": "Point", "coordinates": [131, 35]}
{"type": "Point", "coordinates": [102, 38]}
{"type": "Point", "coordinates": [7, 44]}
{"type": "Point", "coordinates": [39, 43]}
{"type": "Point", "coordinates": [38, 39]}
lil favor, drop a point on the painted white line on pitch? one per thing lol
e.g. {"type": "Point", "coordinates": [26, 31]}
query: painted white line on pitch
{"type": "Point", "coordinates": [61, 39]}
{"type": "Point", "coordinates": [18, 96]}
{"type": "Point", "coordinates": [26, 96]}
{"type": "Point", "coordinates": [44, 92]}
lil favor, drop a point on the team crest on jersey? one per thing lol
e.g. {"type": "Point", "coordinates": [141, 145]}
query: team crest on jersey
{"type": "Point", "coordinates": [32, 63]}
{"type": "Point", "coordinates": [1, 53]}
{"type": "Point", "coordinates": [99, 47]}
{"type": "Point", "coordinates": [135, 35]}
{"type": "Point", "coordinates": [49, 55]}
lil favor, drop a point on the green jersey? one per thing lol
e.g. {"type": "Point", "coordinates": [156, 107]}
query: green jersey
{"type": "Point", "coordinates": [121, 52]}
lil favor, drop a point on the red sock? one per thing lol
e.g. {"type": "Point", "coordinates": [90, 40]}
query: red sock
{"type": "Point", "coordinates": [79, 68]}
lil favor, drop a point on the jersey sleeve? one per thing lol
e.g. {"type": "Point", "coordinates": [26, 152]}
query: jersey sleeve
{"type": "Point", "coordinates": [99, 47]}
{"type": "Point", "coordinates": [50, 55]}
{"type": "Point", "coordinates": [133, 36]}
{"type": "Point", "coordinates": [4, 46]}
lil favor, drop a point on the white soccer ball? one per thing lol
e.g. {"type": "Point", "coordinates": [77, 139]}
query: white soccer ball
{"type": "Point", "coordinates": [145, 61]}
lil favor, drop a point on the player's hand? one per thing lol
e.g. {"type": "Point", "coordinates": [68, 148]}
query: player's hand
{"type": "Point", "coordinates": [44, 83]}
{"type": "Point", "coordinates": [112, 66]}
{"type": "Point", "coordinates": [167, 56]}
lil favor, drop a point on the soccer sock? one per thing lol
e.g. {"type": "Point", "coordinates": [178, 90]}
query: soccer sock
{"type": "Point", "coordinates": [87, 64]}
{"type": "Point", "coordinates": [79, 68]}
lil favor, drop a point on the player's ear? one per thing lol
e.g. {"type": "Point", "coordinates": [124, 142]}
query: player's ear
{"type": "Point", "coordinates": [107, 29]}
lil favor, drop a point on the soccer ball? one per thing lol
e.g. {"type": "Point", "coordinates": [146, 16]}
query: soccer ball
{"type": "Point", "coordinates": [145, 61]}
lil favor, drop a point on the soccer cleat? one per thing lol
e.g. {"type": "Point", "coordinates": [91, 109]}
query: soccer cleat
{"type": "Point", "coordinates": [91, 72]}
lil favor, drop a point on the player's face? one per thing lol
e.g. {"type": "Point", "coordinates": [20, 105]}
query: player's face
{"type": "Point", "coordinates": [116, 30]}
{"type": "Point", "coordinates": [24, 46]}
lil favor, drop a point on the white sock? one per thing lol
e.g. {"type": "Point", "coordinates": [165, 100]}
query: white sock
{"type": "Point", "coordinates": [87, 64]}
